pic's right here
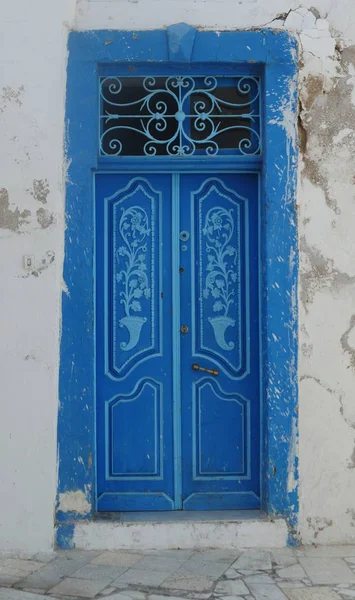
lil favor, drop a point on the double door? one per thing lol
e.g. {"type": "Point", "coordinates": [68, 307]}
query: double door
{"type": "Point", "coordinates": [177, 341]}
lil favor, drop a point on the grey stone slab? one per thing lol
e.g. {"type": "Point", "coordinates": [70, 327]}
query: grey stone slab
{"type": "Point", "coordinates": [9, 579]}
{"type": "Point", "coordinates": [45, 557]}
{"type": "Point", "coordinates": [142, 577]}
{"type": "Point", "coordinates": [327, 570]}
{"type": "Point", "coordinates": [160, 563]}
{"type": "Point", "coordinates": [328, 551]}
{"type": "Point", "coordinates": [266, 592]}
{"type": "Point", "coordinates": [200, 567]}
{"type": "Point", "coordinates": [185, 581]}
{"type": "Point", "coordinates": [119, 558]}
{"type": "Point", "coordinates": [18, 565]}
{"type": "Point", "coordinates": [348, 593]}
{"type": "Point", "coordinates": [86, 588]}
{"type": "Point", "coordinates": [179, 554]}
{"type": "Point", "coordinates": [9, 594]}
{"type": "Point", "coordinates": [292, 572]}
{"type": "Point", "coordinates": [51, 574]}
{"type": "Point", "coordinates": [227, 556]}
{"type": "Point", "coordinates": [254, 560]}
{"type": "Point", "coordinates": [231, 588]}
{"type": "Point", "coordinates": [232, 574]}
{"type": "Point", "coordinates": [156, 597]}
{"type": "Point", "coordinates": [259, 578]}
{"type": "Point", "coordinates": [316, 593]}
{"type": "Point", "coordinates": [290, 585]}
{"type": "Point", "coordinates": [91, 571]}
{"type": "Point", "coordinates": [285, 557]}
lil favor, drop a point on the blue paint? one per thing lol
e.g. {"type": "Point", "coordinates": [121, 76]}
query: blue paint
{"type": "Point", "coordinates": [274, 55]}
{"type": "Point", "coordinates": [181, 38]}
{"type": "Point", "coordinates": [64, 536]}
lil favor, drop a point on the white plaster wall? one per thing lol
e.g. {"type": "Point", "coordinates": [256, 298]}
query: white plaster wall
{"type": "Point", "coordinates": [32, 83]}
{"type": "Point", "coordinates": [32, 87]}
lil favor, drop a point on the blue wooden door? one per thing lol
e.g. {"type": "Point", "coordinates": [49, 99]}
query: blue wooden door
{"type": "Point", "coordinates": [220, 307]}
{"type": "Point", "coordinates": [177, 341]}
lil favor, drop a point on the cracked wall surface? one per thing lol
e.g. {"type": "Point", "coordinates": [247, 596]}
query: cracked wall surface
{"type": "Point", "coordinates": [32, 93]}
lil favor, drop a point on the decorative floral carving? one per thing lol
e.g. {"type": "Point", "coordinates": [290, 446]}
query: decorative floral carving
{"type": "Point", "coordinates": [222, 270]}
{"type": "Point", "coordinates": [132, 276]}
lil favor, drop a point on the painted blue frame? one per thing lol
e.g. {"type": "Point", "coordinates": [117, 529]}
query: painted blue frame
{"type": "Point", "coordinates": [274, 55]}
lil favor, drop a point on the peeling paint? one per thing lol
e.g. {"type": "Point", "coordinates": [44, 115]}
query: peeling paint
{"type": "Point", "coordinates": [44, 217]}
{"type": "Point", "coordinates": [11, 219]}
{"type": "Point", "coordinates": [318, 273]}
{"type": "Point", "coordinates": [46, 261]}
{"type": "Point", "coordinates": [10, 95]}
{"type": "Point", "coordinates": [40, 190]}
{"type": "Point", "coordinates": [74, 502]}
{"type": "Point", "coordinates": [345, 344]}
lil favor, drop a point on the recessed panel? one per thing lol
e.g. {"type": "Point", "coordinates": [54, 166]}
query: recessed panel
{"type": "Point", "coordinates": [221, 432]}
{"type": "Point", "coordinates": [135, 433]}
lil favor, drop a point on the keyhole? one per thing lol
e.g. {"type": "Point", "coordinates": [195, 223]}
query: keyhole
{"type": "Point", "coordinates": [181, 270]}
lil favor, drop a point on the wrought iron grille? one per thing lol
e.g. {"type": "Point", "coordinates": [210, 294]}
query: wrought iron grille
{"type": "Point", "coordinates": [180, 116]}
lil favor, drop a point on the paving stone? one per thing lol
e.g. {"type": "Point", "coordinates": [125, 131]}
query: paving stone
{"type": "Point", "coordinates": [156, 597]}
{"type": "Point", "coordinates": [184, 581]}
{"type": "Point", "coordinates": [200, 567]}
{"type": "Point", "coordinates": [350, 559]}
{"type": "Point", "coordinates": [45, 557]}
{"type": "Point", "coordinates": [232, 574]}
{"type": "Point", "coordinates": [316, 593]}
{"type": "Point", "coordinates": [267, 592]}
{"type": "Point", "coordinates": [290, 585]}
{"type": "Point", "coordinates": [120, 595]}
{"type": "Point", "coordinates": [217, 555]}
{"type": "Point", "coordinates": [254, 560]}
{"type": "Point", "coordinates": [327, 570]}
{"type": "Point", "coordinates": [18, 595]}
{"type": "Point", "coordinates": [87, 588]}
{"type": "Point", "coordinates": [51, 574]}
{"type": "Point", "coordinates": [179, 554]}
{"type": "Point", "coordinates": [20, 566]}
{"type": "Point", "coordinates": [284, 557]}
{"type": "Point", "coordinates": [9, 579]}
{"type": "Point", "coordinates": [348, 593]}
{"type": "Point", "coordinates": [293, 572]}
{"type": "Point", "coordinates": [259, 578]}
{"type": "Point", "coordinates": [329, 551]}
{"type": "Point", "coordinates": [134, 594]}
{"type": "Point", "coordinates": [119, 559]}
{"type": "Point", "coordinates": [142, 577]}
{"type": "Point", "coordinates": [91, 571]}
{"type": "Point", "coordinates": [231, 588]}
{"type": "Point", "coordinates": [160, 563]}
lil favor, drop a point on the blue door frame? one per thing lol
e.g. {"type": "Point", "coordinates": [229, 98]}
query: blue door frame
{"type": "Point", "coordinates": [273, 55]}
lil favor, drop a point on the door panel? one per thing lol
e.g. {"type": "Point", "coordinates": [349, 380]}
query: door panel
{"type": "Point", "coordinates": [133, 333]}
{"type": "Point", "coordinates": [175, 250]}
{"type": "Point", "coordinates": [220, 306]}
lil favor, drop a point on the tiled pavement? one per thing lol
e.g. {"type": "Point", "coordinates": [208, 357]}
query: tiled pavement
{"type": "Point", "coordinates": [314, 573]}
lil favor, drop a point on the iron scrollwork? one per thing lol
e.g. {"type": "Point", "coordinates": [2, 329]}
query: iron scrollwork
{"type": "Point", "coordinates": [180, 115]}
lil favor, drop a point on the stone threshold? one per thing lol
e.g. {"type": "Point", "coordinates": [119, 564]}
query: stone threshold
{"type": "Point", "coordinates": [150, 531]}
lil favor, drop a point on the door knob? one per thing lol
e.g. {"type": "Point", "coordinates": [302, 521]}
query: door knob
{"type": "Point", "coordinates": [196, 367]}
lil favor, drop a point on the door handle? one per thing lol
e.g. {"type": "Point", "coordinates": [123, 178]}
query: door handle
{"type": "Point", "coordinates": [196, 367]}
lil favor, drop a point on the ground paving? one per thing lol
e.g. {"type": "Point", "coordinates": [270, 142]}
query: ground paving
{"type": "Point", "coordinates": [306, 573]}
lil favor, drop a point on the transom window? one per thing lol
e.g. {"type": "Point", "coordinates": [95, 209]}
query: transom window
{"type": "Point", "coordinates": [180, 116]}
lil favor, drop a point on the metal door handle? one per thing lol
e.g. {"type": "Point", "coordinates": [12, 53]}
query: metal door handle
{"type": "Point", "coordinates": [196, 367]}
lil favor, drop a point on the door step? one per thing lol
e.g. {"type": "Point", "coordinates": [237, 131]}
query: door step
{"type": "Point", "coordinates": [162, 531]}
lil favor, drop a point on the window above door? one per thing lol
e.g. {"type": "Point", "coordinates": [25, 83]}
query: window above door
{"type": "Point", "coordinates": [180, 115]}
